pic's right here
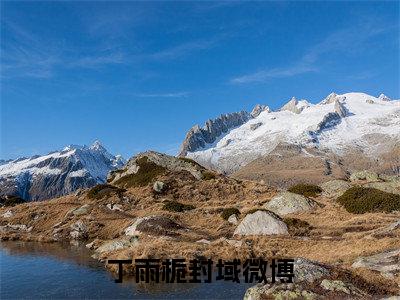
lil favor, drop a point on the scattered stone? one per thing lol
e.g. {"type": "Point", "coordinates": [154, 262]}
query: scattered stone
{"type": "Point", "coordinates": [117, 245]}
{"type": "Point", "coordinates": [288, 203]}
{"type": "Point", "coordinates": [364, 175]}
{"type": "Point", "coordinates": [387, 263]}
{"type": "Point", "coordinates": [17, 227]}
{"type": "Point", "coordinates": [159, 186]}
{"type": "Point", "coordinates": [7, 214]}
{"type": "Point", "coordinates": [153, 225]}
{"type": "Point", "coordinates": [203, 241]}
{"type": "Point", "coordinates": [255, 126]}
{"type": "Point", "coordinates": [335, 188]}
{"type": "Point", "coordinates": [81, 210]}
{"type": "Point", "coordinates": [278, 292]}
{"type": "Point", "coordinates": [233, 219]}
{"type": "Point", "coordinates": [78, 230]}
{"type": "Point", "coordinates": [261, 223]}
{"type": "Point", "coordinates": [235, 243]}
{"type": "Point", "coordinates": [340, 286]}
{"type": "Point", "coordinates": [111, 206]}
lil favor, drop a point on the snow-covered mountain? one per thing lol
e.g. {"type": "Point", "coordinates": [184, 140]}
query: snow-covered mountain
{"type": "Point", "coordinates": [339, 124]}
{"type": "Point", "coordinates": [57, 173]}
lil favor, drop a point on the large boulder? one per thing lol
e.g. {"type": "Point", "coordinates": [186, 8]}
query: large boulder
{"type": "Point", "coordinates": [261, 223]}
{"type": "Point", "coordinates": [289, 203]}
{"type": "Point", "coordinates": [154, 225]}
{"type": "Point", "coordinates": [364, 175]}
{"type": "Point", "coordinates": [387, 263]}
{"type": "Point", "coordinates": [78, 230]}
{"type": "Point", "coordinates": [335, 188]}
{"type": "Point", "coordinates": [388, 187]}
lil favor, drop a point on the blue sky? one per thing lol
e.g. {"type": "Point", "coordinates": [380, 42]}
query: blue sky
{"type": "Point", "coordinates": [138, 75]}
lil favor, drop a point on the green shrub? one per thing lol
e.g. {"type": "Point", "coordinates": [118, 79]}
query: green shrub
{"type": "Point", "coordinates": [359, 200]}
{"type": "Point", "coordinates": [191, 161]}
{"type": "Point", "coordinates": [176, 206]}
{"type": "Point", "coordinates": [297, 227]}
{"type": "Point", "coordinates": [11, 200]}
{"type": "Point", "coordinates": [104, 190]}
{"type": "Point", "coordinates": [207, 175]}
{"type": "Point", "coordinates": [307, 190]}
{"type": "Point", "coordinates": [147, 172]}
{"type": "Point", "coordinates": [227, 212]}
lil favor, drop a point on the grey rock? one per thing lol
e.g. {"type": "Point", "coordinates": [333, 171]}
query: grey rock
{"type": "Point", "coordinates": [119, 244]}
{"type": "Point", "coordinates": [370, 101]}
{"type": "Point", "coordinates": [309, 271]}
{"type": "Point", "coordinates": [15, 227]}
{"type": "Point", "coordinates": [233, 219]}
{"type": "Point", "coordinates": [387, 263]}
{"type": "Point", "coordinates": [255, 125]}
{"type": "Point", "coordinates": [158, 186]}
{"type": "Point", "coordinates": [203, 241]}
{"type": "Point", "coordinates": [383, 97]}
{"type": "Point", "coordinates": [153, 225]}
{"type": "Point", "coordinates": [279, 292]}
{"type": "Point", "coordinates": [258, 109]}
{"type": "Point", "coordinates": [261, 223]}
{"type": "Point", "coordinates": [289, 203]}
{"type": "Point", "coordinates": [335, 188]}
{"type": "Point", "coordinates": [292, 106]}
{"type": "Point", "coordinates": [7, 214]}
{"type": "Point", "coordinates": [81, 210]}
{"type": "Point", "coordinates": [340, 286]}
{"type": "Point", "coordinates": [340, 109]}
{"type": "Point", "coordinates": [388, 187]}
{"type": "Point", "coordinates": [78, 230]}
{"type": "Point", "coordinates": [116, 207]}
{"type": "Point", "coordinates": [364, 175]}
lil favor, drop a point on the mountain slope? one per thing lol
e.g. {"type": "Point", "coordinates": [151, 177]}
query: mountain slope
{"type": "Point", "coordinates": [57, 173]}
{"type": "Point", "coordinates": [340, 125]}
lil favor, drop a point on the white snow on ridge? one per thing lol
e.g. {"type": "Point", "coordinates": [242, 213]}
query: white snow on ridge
{"type": "Point", "coordinates": [94, 161]}
{"type": "Point", "coordinates": [365, 115]}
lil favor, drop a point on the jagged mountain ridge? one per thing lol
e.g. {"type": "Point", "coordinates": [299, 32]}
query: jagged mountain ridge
{"type": "Point", "coordinates": [339, 124]}
{"type": "Point", "coordinates": [57, 173]}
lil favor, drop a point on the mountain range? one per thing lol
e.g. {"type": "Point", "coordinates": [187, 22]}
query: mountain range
{"type": "Point", "coordinates": [57, 173]}
{"type": "Point", "coordinates": [302, 141]}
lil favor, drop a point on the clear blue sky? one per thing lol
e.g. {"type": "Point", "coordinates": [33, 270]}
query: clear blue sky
{"type": "Point", "coordinates": [138, 75]}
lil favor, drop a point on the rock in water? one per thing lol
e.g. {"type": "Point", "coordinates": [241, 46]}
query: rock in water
{"type": "Point", "coordinates": [288, 203]}
{"type": "Point", "coordinates": [261, 223]}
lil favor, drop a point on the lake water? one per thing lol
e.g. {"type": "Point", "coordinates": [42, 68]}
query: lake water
{"type": "Point", "coordinates": [63, 271]}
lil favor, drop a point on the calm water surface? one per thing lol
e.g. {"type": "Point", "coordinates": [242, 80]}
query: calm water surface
{"type": "Point", "coordinates": [62, 271]}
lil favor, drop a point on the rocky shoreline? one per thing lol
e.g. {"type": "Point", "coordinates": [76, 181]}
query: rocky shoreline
{"type": "Point", "coordinates": [166, 207]}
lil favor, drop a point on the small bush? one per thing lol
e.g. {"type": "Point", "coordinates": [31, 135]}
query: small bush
{"type": "Point", "coordinates": [207, 175]}
{"type": "Point", "coordinates": [359, 200]}
{"type": "Point", "coordinates": [227, 212]}
{"type": "Point", "coordinates": [11, 200]}
{"type": "Point", "coordinates": [147, 172]}
{"type": "Point", "coordinates": [191, 161]}
{"type": "Point", "coordinates": [104, 190]}
{"type": "Point", "coordinates": [298, 227]}
{"type": "Point", "coordinates": [307, 190]}
{"type": "Point", "coordinates": [176, 206]}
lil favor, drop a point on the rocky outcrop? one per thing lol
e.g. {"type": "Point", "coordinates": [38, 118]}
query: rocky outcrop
{"type": "Point", "coordinates": [289, 203]}
{"type": "Point", "coordinates": [57, 173]}
{"type": "Point", "coordinates": [383, 97]}
{"type": "Point", "coordinates": [198, 137]}
{"type": "Point", "coordinates": [163, 161]}
{"type": "Point", "coordinates": [364, 175]}
{"type": "Point", "coordinates": [335, 188]}
{"type": "Point", "coordinates": [258, 109]}
{"type": "Point", "coordinates": [261, 222]}
{"type": "Point", "coordinates": [295, 106]}
{"type": "Point", "coordinates": [154, 225]}
{"type": "Point", "coordinates": [387, 263]}
{"type": "Point", "coordinates": [388, 187]}
{"type": "Point", "coordinates": [332, 98]}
